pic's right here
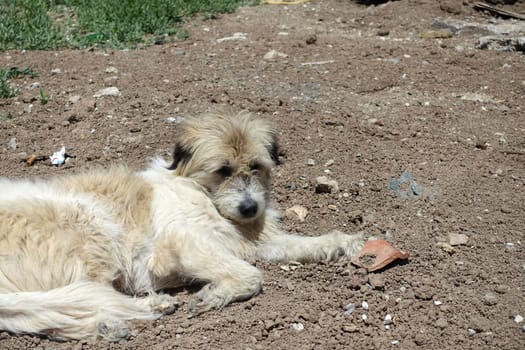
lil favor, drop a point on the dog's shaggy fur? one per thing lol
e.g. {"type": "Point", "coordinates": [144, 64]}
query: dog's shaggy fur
{"type": "Point", "coordinates": [81, 255]}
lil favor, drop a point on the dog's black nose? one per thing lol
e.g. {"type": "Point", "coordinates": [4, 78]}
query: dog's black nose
{"type": "Point", "coordinates": [248, 208]}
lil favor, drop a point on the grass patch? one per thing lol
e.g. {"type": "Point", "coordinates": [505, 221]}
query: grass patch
{"type": "Point", "coordinates": [6, 90]}
{"type": "Point", "coordinates": [48, 24]}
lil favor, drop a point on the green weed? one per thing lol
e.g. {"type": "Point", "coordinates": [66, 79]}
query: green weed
{"type": "Point", "coordinates": [47, 24]}
{"type": "Point", "coordinates": [44, 98]}
{"type": "Point", "coordinates": [6, 90]}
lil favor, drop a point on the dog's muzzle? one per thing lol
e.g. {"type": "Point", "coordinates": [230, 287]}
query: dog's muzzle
{"type": "Point", "coordinates": [248, 208]}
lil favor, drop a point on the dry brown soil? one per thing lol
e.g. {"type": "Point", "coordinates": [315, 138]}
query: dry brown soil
{"type": "Point", "coordinates": [358, 86]}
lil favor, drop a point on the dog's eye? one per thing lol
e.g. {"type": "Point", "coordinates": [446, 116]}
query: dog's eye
{"type": "Point", "coordinates": [255, 166]}
{"type": "Point", "coordinates": [225, 171]}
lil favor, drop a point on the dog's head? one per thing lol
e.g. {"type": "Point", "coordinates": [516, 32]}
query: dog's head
{"type": "Point", "coordinates": [231, 155]}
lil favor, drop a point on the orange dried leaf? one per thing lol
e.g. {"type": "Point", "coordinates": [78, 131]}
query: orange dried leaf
{"type": "Point", "coordinates": [382, 252]}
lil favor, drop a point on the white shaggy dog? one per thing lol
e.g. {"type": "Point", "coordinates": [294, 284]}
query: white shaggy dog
{"type": "Point", "coordinates": [80, 255]}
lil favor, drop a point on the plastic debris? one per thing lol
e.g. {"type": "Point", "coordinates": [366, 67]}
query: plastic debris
{"type": "Point", "coordinates": [382, 252]}
{"type": "Point", "coordinates": [58, 158]}
{"type": "Point", "coordinates": [349, 309]}
{"type": "Point", "coordinates": [413, 190]}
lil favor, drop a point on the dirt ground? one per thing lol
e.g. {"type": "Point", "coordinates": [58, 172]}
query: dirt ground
{"type": "Point", "coordinates": [361, 93]}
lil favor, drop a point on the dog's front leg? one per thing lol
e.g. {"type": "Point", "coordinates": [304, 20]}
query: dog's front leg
{"type": "Point", "coordinates": [281, 246]}
{"type": "Point", "coordinates": [228, 279]}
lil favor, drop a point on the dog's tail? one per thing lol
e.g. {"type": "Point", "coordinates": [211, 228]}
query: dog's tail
{"type": "Point", "coordinates": [76, 311]}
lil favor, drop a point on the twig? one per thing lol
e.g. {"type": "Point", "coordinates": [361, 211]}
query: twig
{"type": "Point", "coordinates": [496, 11]}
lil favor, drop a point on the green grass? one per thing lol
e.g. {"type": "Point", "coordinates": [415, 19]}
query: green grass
{"type": "Point", "coordinates": [6, 90]}
{"type": "Point", "coordinates": [49, 24]}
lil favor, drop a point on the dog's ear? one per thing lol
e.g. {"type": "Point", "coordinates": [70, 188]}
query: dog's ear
{"type": "Point", "coordinates": [180, 154]}
{"type": "Point", "coordinates": [273, 150]}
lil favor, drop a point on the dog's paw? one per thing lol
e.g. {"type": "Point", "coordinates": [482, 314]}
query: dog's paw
{"type": "Point", "coordinates": [114, 330]}
{"type": "Point", "coordinates": [347, 245]}
{"type": "Point", "coordinates": [163, 303]}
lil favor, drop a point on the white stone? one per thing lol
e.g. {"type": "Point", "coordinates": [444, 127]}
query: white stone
{"type": "Point", "coordinates": [109, 91]}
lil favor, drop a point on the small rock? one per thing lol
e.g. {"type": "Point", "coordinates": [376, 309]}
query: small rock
{"type": "Point", "coordinates": [35, 85]}
{"type": "Point", "coordinates": [437, 34]}
{"type": "Point", "coordinates": [456, 239]}
{"type": "Point", "coordinates": [298, 326]}
{"type": "Point", "coordinates": [388, 320]}
{"type": "Point", "coordinates": [350, 328]}
{"type": "Point", "coordinates": [471, 332]}
{"type": "Point", "coordinates": [326, 185]}
{"type": "Point", "coordinates": [518, 319]}
{"type": "Point", "coordinates": [510, 247]}
{"type": "Point", "coordinates": [235, 36]}
{"type": "Point", "coordinates": [489, 299]}
{"type": "Point", "coordinates": [312, 39]}
{"type": "Point", "coordinates": [56, 71]}
{"type": "Point", "coordinates": [376, 281]}
{"type": "Point", "coordinates": [424, 293]}
{"type": "Point", "coordinates": [29, 108]}
{"type": "Point", "coordinates": [383, 32]}
{"type": "Point", "coordinates": [111, 70]}
{"type": "Point", "coordinates": [446, 247]}
{"type": "Point", "coordinates": [349, 309]}
{"type": "Point", "coordinates": [441, 323]}
{"type": "Point", "coordinates": [364, 317]}
{"type": "Point", "coordinates": [310, 162]}
{"type": "Point", "coordinates": [502, 288]}
{"type": "Point", "coordinates": [110, 91]}
{"type": "Point", "coordinates": [12, 144]}
{"type": "Point", "coordinates": [364, 305]}
{"type": "Point", "coordinates": [420, 339]}
{"type": "Point", "coordinates": [272, 54]}
{"type": "Point", "coordinates": [438, 302]}
{"type": "Point", "coordinates": [329, 163]}
{"type": "Point", "coordinates": [297, 212]}
{"type": "Point", "coordinates": [73, 99]}
{"type": "Point", "coordinates": [332, 207]}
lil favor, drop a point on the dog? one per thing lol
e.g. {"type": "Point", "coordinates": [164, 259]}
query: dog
{"type": "Point", "coordinates": [82, 255]}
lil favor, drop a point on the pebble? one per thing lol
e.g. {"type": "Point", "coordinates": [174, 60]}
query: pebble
{"type": "Point", "coordinates": [364, 317]}
{"type": "Point", "coordinates": [437, 302]}
{"type": "Point", "coordinates": [73, 99]}
{"type": "Point", "coordinates": [297, 212]}
{"type": "Point", "coordinates": [518, 319]}
{"type": "Point", "coordinates": [364, 305]}
{"type": "Point", "coordinates": [471, 332]}
{"type": "Point", "coordinates": [510, 247]}
{"type": "Point", "coordinates": [310, 162]}
{"type": "Point", "coordinates": [29, 108]}
{"type": "Point", "coordinates": [420, 339]}
{"type": "Point", "coordinates": [502, 288]}
{"type": "Point", "coordinates": [56, 71]}
{"type": "Point", "coordinates": [441, 323]}
{"type": "Point", "coordinates": [437, 34]}
{"type": "Point", "coordinates": [272, 54]}
{"type": "Point", "coordinates": [111, 70]}
{"type": "Point", "coordinates": [109, 91]}
{"type": "Point", "coordinates": [235, 36]}
{"type": "Point", "coordinates": [329, 163]}
{"type": "Point", "coordinates": [312, 39]}
{"type": "Point", "coordinates": [12, 144]}
{"type": "Point", "coordinates": [489, 299]}
{"type": "Point", "coordinates": [298, 326]}
{"type": "Point", "coordinates": [456, 239]}
{"type": "Point", "coordinates": [350, 328]}
{"type": "Point", "coordinates": [349, 309]}
{"type": "Point", "coordinates": [376, 281]}
{"type": "Point", "coordinates": [446, 247]}
{"type": "Point", "coordinates": [326, 185]}
{"type": "Point", "coordinates": [388, 320]}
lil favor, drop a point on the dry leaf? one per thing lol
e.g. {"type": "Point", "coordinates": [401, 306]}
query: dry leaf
{"type": "Point", "coordinates": [381, 251]}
